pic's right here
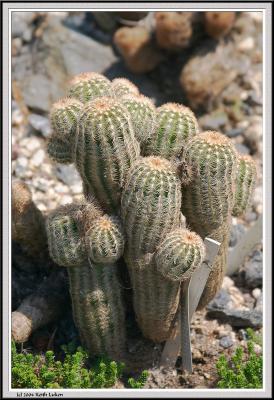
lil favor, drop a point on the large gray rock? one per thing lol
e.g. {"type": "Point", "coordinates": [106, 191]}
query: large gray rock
{"type": "Point", "coordinates": [58, 55]}
{"type": "Point", "coordinates": [254, 270]}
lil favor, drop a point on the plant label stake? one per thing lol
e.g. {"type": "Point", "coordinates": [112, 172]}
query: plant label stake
{"type": "Point", "coordinates": [191, 291]}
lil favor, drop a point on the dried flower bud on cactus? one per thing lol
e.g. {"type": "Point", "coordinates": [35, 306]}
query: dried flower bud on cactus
{"type": "Point", "coordinates": [105, 150]}
{"type": "Point", "coordinates": [88, 86]}
{"type": "Point", "coordinates": [173, 29]}
{"type": "Point", "coordinates": [179, 254]}
{"type": "Point", "coordinates": [105, 240]}
{"type": "Point", "coordinates": [64, 117]}
{"type": "Point", "coordinates": [66, 247]}
{"type": "Point", "coordinates": [245, 184]}
{"type": "Point", "coordinates": [175, 126]}
{"type": "Point", "coordinates": [28, 225]}
{"type": "Point", "coordinates": [143, 115]}
{"type": "Point", "coordinates": [218, 24]}
{"type": "Point", "coordinates": [122, 86]}
{"type": "Point", "coordinates": [136, 48]}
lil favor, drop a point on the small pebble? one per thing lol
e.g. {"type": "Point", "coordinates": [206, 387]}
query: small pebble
{"type": "Point", "coordinates": [40, 124]}
{"type": "Point", "coordinates": [242, 149]}
{"type": "Point", "coordinates": [38, 158]}
{"type": "Point", "coordinates": [247, 44]}
{"type": "Point", "coordinates": [226, 342]}
{"type": "Point", "coordinates": [256, 293]}
{"type": "Point", "coordinates": [234, 132]}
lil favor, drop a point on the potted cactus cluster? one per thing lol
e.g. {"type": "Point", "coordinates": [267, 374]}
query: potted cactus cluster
{"type": "Point", "coordinates": [154, 187]}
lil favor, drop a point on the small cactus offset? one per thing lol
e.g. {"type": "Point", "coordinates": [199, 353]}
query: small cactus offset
{"type": "Point", "coordinates": [245, 184]}
{"type": "Point", "coordinates": [175, 126]}
{"type": "Point", "coordinates": [180, 253]}
{"type": "Point", "coordinates": [28, 224]}
{"type": "Point", "coordinates": [105, 240]}
{"type": "Point", "coordinates": [89, 86]}
{"type": "Point", "coordinates": [95, 291]}
{"type": "Point", "coordinates": [122, 86]}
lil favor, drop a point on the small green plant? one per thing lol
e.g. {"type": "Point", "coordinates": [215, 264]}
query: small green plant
{"type": "Point", "coordinates": [241, 372]}
{"type": "Point", "coordinates": [43, 371]}
{"type": "Point", "coordinates": [138, 383]}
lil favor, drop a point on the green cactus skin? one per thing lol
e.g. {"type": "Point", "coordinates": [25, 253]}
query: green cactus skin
{"type": "Point", "coordinates": [150, 205]}
{"type": "Point", "coordinates": [89, 86]}
{"type": "Point", "coordinates": [66, 246]}
{"type": "Point", "coordinates": [106, 149]}
{"type": "Point", "coordinates": [180, 253]}
{"type": "Point", "coordinates": [98, 309]}
{"type": "Point", "coordinates": [175, 126]}
{"type": "Point", "coordinates": [105, 240]}
{"type": "Point", "coordinates": [207, 200]}
{"type": "Point", "coordinates": [150, 209]}
{"type": "Point", "coordinates": [245, 184]}
{"type": "Point", "coordinates": [122, 86]}
{"type": "Point", "coordinates": [143, 115]}
{"type": "Point", "coordinates": [64, 116]}
{"type": "Point", "coordinates": [96, 294]}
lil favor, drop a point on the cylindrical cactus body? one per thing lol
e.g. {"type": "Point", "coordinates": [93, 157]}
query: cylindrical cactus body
{"type": "Point", "coordinates": [245, 184]}
{"type": "Point", "coordinates": [106, 148]}
{"type": "Point", "coordinates": [207, 200]}
{"type": "Point", "coordinates": [143, 116]}
{"type": "Point", "coordinates": [175, 126]}
{"type": "Point", "coordinates": [98, 308]}
{"type": "Point", "coordinates": [150, 209]}
{"type": "Point", "coordinates": [95, 291]}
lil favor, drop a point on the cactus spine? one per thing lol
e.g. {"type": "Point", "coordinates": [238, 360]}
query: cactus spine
{"type": "Point", "coordinates": [89, 86]}
{"type": "Point", "coordinates": [105, 150]}
{"type": "Point", "coordinates": [95, 291]}
{"type": "Point", "coordinates": [207, 201]}
{"type": "Point", "coordinates": [245, 184]}
{"type": "Point", "coordinates": [175, 126]}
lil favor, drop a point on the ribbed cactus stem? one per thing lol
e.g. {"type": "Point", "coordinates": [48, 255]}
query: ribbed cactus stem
{"type": "Point", "coordinates": [143, 116]}
{"type": "Point", "coordinates": [207, 200]}
{"type": "Point", "coordinates": [105, 151]}
{"type": "Point", "coordinates": [122, 86]}
{"type": "Point", "coordinates": [88, 86]}
{"type": "Point", "coordinates": [95, 290]}
{"type": "Point", "coordinates": [150, 208]}
{"type": "Point", "coordinates": [150, 204]}
{"type": "Point", "coordinates": [245, 184]}
{"type": "Point", "coordinates": [105, 240]}
{"type": "Point", "coordinates": [179, 254]}
{"type": "Point", "coordinates": [64, 117]}
{"type": "Point", "coordinates": [28, 224]}
{"type": "Point", "coordinates": [175, 126]}
{"type": "Point", "coordinates": [98, 309]}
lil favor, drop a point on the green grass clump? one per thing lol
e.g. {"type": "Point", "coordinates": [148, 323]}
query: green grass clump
{"type": "Point", "coordinates": [43, 371]}
{"type": "Point", "coordinates": [138, 383]}
{"type": "Point", "coordinates": [240, 372]}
